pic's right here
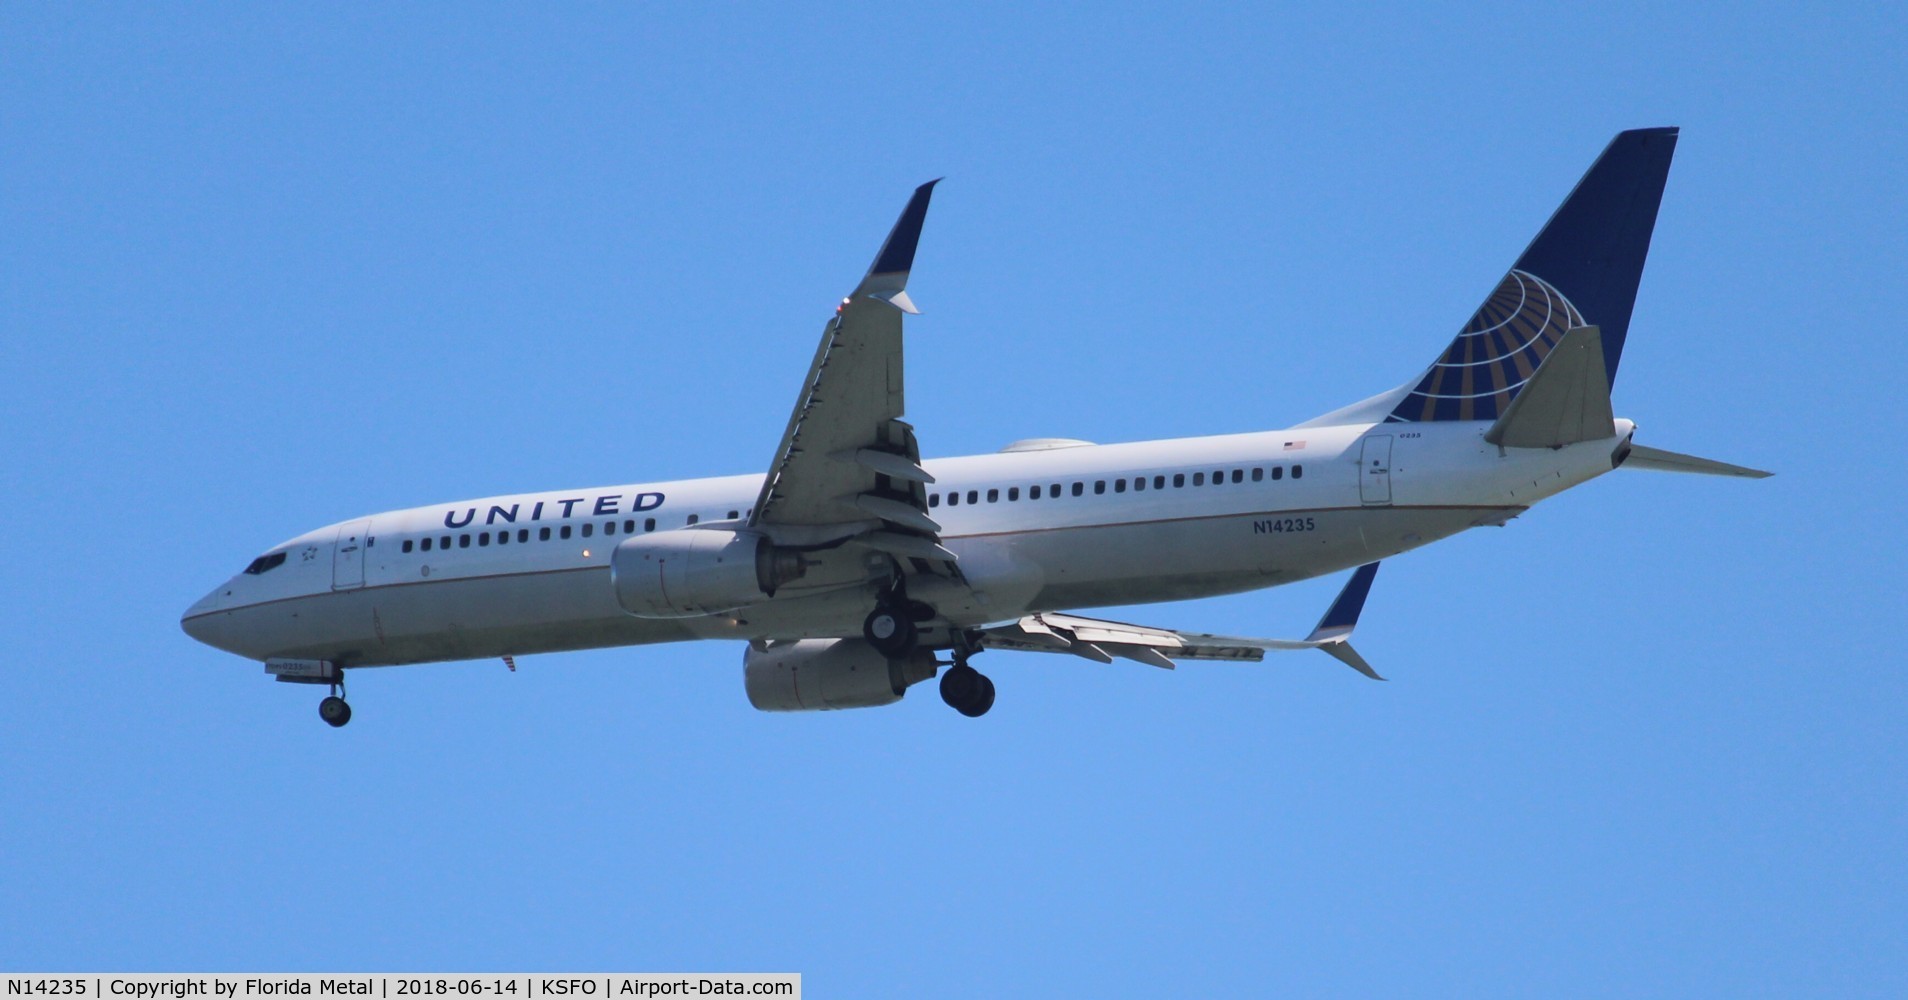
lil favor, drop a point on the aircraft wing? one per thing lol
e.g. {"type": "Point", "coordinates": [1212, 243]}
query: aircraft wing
{"type": "Point", "coordinates": [848, 467]}
{"type": "Point", "coordinates": [1102, 641]}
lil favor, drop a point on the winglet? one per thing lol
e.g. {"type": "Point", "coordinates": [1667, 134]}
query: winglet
{"type": "Point", "coordinates": [1333, 634]}
{"type": "Point", "coordinates": [887, 278]}
{"type": "Point", "coordinates": [1343, 614]}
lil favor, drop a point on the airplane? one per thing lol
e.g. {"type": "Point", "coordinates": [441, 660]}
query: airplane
{"type": "Point", "coordinates": [852, 563]}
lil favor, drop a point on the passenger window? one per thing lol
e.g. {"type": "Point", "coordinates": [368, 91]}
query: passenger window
{"type": "Point", "coordinates": [609, 527]}
{"type": "Point", "coordinates": [954, 499]}
{"type": "Point", "coordinates": [523, 535]}
{"type": "Point", "coordinates": [1033, 492]}
{"type": "Point", "coordinates": [934, 499]}
{"type": "Point", "coordinates": [1199, 479]}
{"type": "Point", "coordinates": [973, 496]}
{"type": "Point", "coordinates": [1139, 483]}
{"type": "Point", "coordinates": [1119, 486]}
{"type": "Point", "coordinates": [1218, 476]}
{"type": "Point", "coordinates": [1054, 491]}
{"type": "Point", "coordinates": [587, 528]}
{"type": "Point", "coordinates": [1159, 482]}
{"type": "Point", "coordinates": [649, 524]}
{"type": "Point", "coordinates": [1258, 474]}
{"type": "Point", "coordinates": [463, 541]}
{"type": "Point", "coordinates": [563, 532]}
{"type": "Point", "coordinates": [1079, 488]}
{"type": "Point", "coordinates": [1238, 475]}
{"type": "Point", "coordinates": [629, 527]}
{"type": "Point", "coordinates": [503, 538]}
{"type": "Point", "coordinates": [1298, 471]}
{"type": "Point", "coordinates": [407, 545]}
{"type": "Point", "coordinates": [1099, 487]}
{"type": "Point", "coordinates": [1278, 473]}
{"type": "Point", "coordinates": [1179, 479]}
{"type": "Point", "coordinates": [1013, 493]}
{"type": "Point", "coordinates": [483, 539]}
{"type": "Point", "coordinates": [993, 496]}
{"type": "Point", "coordinates": [445, 544]}
{"type": "Point", "coordinates": [543, 534]}
{"type": "Point", "coordinates": [426, 546]}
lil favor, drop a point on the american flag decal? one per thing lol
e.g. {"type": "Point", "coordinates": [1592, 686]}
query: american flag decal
{"type": "Point", "coordinates": [1294, 445]}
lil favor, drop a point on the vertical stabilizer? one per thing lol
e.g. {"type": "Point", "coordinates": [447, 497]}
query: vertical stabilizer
{"type": "Point", "coordinates": [1581, 270]}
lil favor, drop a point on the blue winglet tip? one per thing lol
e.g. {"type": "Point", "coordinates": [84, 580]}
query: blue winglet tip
{"type": "Point", "coordinates": [897, 254]}
{"type": "Point", "coordinates": [1351, 601]}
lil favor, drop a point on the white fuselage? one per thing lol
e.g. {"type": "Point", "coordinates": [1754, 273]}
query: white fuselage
{"type": "Point", "coordinates": [1288, 505]}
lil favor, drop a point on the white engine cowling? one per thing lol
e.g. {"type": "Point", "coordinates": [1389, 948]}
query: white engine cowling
{"type": "Point", "coordinates": [693, 571]}
{"type": "Point", "coordinates": [810, 675]}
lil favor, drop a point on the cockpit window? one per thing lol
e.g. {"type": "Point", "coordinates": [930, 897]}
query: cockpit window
{"type": "Point", "coordinates": [266, 563]}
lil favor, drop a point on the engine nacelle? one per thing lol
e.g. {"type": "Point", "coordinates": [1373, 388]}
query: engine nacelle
{"type": "Point", "coordinates": [810, 675]}
{"type": "Point", "coordinates": [693, 571]}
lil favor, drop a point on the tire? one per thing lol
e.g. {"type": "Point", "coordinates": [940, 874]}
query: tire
{"type": "Point", "coordinates": [335, 711]}
{"type": "Point", "coordinates": [982, 700]}
{"type": "Point", "coordinates": [889, 632]}
{"type": "Point", "coordinates": [960, 685]}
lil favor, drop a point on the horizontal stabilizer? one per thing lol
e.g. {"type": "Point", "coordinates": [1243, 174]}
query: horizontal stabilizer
{"type": "Point", "coordinates": [1567, 399]}
{"type": "Point", "coordinates": [1640, 457]}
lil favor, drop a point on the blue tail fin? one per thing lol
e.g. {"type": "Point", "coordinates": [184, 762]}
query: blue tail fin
{"type": "Point", "coordinates": [1581, 270]}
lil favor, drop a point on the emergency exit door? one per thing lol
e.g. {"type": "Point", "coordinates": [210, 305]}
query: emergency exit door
{"type": "Point", "coordinates": [1374, 471]}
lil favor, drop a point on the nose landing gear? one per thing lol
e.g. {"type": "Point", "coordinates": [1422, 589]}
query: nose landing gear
{"type": "Point", "coordinates": [334, 709]}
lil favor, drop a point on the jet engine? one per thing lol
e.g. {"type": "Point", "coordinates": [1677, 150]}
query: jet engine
{"type": "Point", "coordinates": [694, 571]}
{"type": "Point", "coordinates": [810, 675]}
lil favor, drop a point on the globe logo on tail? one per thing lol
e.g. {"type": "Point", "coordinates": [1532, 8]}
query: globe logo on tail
{"type": "Point", "coordinates": [1497, 352]}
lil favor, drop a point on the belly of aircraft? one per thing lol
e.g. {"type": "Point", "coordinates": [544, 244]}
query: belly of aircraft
{"type": "Point", "coordinates": [1141, 564]}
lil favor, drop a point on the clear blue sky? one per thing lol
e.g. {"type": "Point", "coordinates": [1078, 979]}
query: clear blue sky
{"type": "Point", "coordinates": [264, 268]}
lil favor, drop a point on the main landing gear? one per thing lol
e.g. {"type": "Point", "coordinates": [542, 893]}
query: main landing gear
{"type": "Point", "coordinates": [966, 690]}
{"type": "Point", "coordinates": [890, 631]}
{"type": "Point", "coordinates": [892, 627]}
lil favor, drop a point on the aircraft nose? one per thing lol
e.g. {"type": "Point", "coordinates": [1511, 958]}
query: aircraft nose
{"type": "Point", "coordinates": [197, 620]}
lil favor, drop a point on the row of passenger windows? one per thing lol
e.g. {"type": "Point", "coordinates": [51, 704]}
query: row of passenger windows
{"type": "Point", "coordinates": [1139, 484]}
{"type": "Point", "coordinates": [522, 535]}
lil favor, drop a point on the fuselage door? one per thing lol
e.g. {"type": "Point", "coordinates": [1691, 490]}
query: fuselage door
{"type": "Point", "coordinates": [1374, 471]}
{"type": "Point", "coordinates": [347, 555]}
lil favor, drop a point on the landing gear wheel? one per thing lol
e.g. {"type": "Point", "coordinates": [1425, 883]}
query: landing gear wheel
{"type": "Point", "coordinates": [889, 632]}
{"type": "Point", "coordinates": [967, 691]}
{"type": "Point", "coordinates": [986, 701]}
{"type": "Point", "coordinates": [335, 711]}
